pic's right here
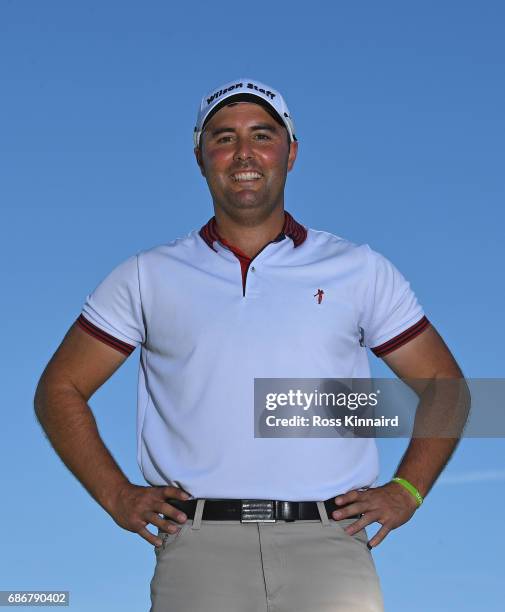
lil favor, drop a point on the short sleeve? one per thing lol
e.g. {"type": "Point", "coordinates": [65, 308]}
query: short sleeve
{"type": "Point", "coordinates": [393, 315]}
{"type": "Point", "coordinates": [112, 313]}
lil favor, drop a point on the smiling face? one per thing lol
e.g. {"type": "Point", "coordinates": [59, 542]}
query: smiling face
{"type": "Point", "coordinates": [245, 156]}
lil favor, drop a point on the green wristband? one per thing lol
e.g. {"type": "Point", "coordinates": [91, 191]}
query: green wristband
{"type": "Point", "coordinates": [410, 488]}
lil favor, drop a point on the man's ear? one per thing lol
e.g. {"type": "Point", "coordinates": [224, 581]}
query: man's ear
{"type": "Point", "coordinates": [198, 155]}
{"type": "Point", "coordinates": [293, 151]}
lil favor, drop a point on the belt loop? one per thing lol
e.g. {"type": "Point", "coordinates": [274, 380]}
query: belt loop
{"type": "Point", "coordinates": [197, 520]}
{"type": "Point", "coordinates": [322, 513]}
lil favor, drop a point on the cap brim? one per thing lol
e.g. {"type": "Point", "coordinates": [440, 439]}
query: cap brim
{"type": "Point", "coordinates": [244, 97]}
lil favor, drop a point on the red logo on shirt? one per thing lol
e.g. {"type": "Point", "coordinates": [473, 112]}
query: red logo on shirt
{"type": "Point", "coordinates": [319, 295]}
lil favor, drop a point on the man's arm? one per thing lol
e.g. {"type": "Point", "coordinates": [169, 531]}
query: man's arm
{"type": "Point", "coordinates": [80, 366]}
{"type": "Point", "coordinates": [428, 359]}
{"type": "Point", "coordinates": [425, 358]}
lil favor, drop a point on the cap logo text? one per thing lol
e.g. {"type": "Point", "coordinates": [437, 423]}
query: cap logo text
{"type": "Point", "coordinates": [221, 92]}
{"type": "Point", "coordinates": [267, 92]}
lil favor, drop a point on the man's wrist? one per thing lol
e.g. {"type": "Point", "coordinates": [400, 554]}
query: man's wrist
{"type": "Point", "coordinates": [409, 489]}
{"type": "Point", "coordinates": [110, 498]}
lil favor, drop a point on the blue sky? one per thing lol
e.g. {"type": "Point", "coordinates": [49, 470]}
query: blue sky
{"type": "Point", "coordinates": [399, 114]}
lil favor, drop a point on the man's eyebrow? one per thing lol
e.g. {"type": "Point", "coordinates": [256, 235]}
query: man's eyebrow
{"type": "Point", "coordinates": [264, 126]}
{"type": "Point", "coordinates": [221, 130]}
{"type": "Point", "coordinates": [260, 126]}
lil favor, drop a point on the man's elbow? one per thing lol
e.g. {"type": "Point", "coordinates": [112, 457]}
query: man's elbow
{"type": "Point", "coordinates": [51, 389]}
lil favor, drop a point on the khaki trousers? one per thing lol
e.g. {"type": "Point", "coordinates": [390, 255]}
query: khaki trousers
{"type": "Point", "coordinates": [302, 566]}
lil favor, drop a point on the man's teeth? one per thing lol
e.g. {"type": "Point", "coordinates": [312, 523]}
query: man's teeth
{"type": "Point", "coordinates": [246, 176]}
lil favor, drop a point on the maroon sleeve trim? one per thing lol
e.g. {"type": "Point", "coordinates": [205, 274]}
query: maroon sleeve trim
{"type": "Point", "coordinates": [403, 338]}
{"type": "Point", "coordinates": [104, 337]}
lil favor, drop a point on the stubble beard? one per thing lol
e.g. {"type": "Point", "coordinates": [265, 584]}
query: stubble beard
{"type": "Point", "coordinates": [253, 208]}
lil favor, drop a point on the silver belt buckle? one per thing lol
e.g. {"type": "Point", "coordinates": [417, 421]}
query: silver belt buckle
{"type": "Point", "coordinates": [257, 511]}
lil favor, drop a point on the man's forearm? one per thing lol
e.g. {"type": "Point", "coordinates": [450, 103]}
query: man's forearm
{"type": "Point", "coordinates": [440, 419]}
{"type": "Point", "coordinates": [424, 460]}
{"type": "Point", "coordinates": [71, 428]}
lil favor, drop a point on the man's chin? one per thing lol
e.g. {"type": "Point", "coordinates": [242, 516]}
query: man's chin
{"type": "Point", "coordinates": [249, 210]}
{"type": "Point", "coordinates": [248, 199]}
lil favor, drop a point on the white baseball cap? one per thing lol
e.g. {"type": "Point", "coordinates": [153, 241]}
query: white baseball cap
{"type": "Point", "coordinates": [243, 90]}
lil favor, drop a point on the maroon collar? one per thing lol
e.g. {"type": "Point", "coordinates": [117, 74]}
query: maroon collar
{"type": "Point", "coordinates": [291, 228]}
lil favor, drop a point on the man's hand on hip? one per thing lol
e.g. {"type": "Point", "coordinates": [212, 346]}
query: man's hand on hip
{"type": "Point", "coordinates": [389, 505]}
{"type": "Point", "coordinates": [135, 507]}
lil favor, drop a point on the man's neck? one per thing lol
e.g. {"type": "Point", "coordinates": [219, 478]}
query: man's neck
{"type": "Point", "coordinates": [249, 237]}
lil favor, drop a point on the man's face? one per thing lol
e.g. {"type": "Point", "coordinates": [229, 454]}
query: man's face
{"type": "Point", "coordinates": [245, 156]}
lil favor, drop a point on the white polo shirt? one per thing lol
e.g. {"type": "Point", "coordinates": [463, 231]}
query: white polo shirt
{"type": "Point", "coordinates": [305, 307]}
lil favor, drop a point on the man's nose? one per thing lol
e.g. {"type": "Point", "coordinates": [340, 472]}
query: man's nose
{"type": "Point", "coordinates": [243, 149]}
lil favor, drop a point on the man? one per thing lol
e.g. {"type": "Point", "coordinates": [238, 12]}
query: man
{"type": "Point", "coordinates": [273, 524]}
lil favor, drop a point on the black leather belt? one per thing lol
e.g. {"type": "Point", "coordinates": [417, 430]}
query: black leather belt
{"type": "Point", "coordinates": [255, 510]}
